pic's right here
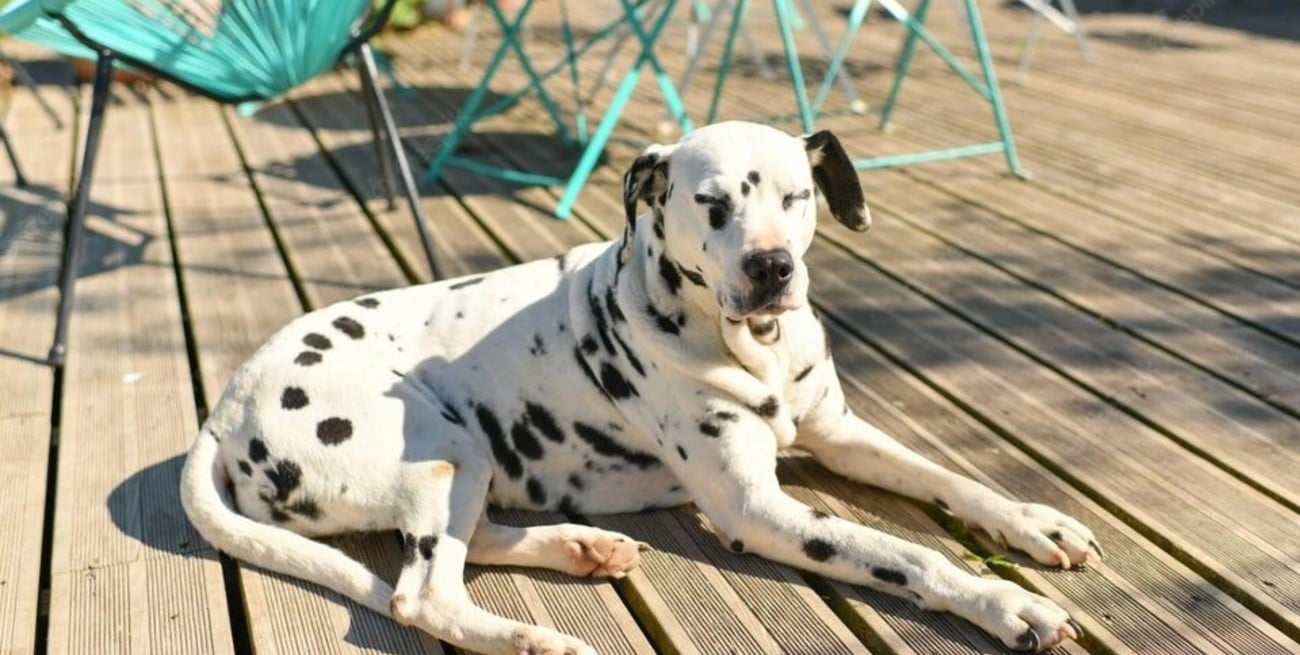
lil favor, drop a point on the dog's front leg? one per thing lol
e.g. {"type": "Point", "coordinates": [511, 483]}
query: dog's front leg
{"type": "Point", "coordinates": [731, 473]}
{"type": "Point", "coordinates": [850, 446]}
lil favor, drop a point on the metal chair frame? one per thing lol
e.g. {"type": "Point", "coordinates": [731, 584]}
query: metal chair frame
{"type": "Point", "coordinates": [987, 87]}
{"type": "Point", "coordinates": [635, 17]}
{"type": "Point", "coordinates": [384, 128]}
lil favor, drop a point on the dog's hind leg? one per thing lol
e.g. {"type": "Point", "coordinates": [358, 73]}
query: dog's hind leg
{"type": "Point", "coordinates": [571, 548]}
{"type": "Point", "coordinates": [445, 499]}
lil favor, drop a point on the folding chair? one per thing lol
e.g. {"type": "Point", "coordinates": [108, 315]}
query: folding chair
{"type": "Point", "coordinates": [644, 25]}
{"type": "Point", "coordinates": [234, 51]}
{"type": "Point", "coordinates": [986, 88]}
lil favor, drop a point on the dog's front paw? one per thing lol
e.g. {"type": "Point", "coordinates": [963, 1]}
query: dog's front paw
{"type": "Point", "coordinates": [536, 640]}
{"type": "Point", "coordinates": [601, 553]}
{"type": "Point", "coordinates": [1049, 536]}
{"type": "Point", "coordinates": [1022, 619]}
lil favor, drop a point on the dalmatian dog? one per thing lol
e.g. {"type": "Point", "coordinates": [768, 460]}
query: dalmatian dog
{"type": "Point", "coordinates": [666, 367]}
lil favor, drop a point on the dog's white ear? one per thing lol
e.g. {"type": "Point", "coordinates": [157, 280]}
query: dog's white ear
{"type": "Point", "coordinates": [646, 179]}
{"type": "Point", "coordinates": [835, 176]}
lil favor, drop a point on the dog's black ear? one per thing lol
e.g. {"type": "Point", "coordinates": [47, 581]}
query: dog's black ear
{"type": "Point", "coordinates": [646, 179]}
{"type": "Point", "coordinates": [835, 176]}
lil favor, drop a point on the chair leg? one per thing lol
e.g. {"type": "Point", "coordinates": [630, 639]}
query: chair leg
{"type": "Point", "coordinates": [19, 178]}
{"type": "Point", "coordinates": [371, 83]}
{"type": "Point", "coordinates": [74, 235]}
{"type": "Point", "coordinates": [380, 137]}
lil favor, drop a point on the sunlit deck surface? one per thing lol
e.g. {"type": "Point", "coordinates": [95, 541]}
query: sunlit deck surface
{"type": "Point", "coordinates": [1118, 337]}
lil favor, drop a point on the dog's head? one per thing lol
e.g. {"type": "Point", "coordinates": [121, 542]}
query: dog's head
{"type": "Point", "coordinates": [734, 203]}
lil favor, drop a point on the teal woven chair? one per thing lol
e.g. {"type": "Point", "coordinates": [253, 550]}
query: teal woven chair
{"type": "Point", "coordinates": [233, 51]}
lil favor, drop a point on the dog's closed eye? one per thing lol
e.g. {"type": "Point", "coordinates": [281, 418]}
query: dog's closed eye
{"type": "Point", "coordinates": [719, 208]}
{"type": "Point", "coordinates": [787, 201]}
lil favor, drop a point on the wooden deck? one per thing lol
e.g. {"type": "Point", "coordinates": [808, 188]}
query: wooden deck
{"type": "Point", "coordinates": [1118, 337]}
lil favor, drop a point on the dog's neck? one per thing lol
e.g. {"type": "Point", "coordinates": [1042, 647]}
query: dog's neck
{"type": "Point", "coordinates": [672, 289]}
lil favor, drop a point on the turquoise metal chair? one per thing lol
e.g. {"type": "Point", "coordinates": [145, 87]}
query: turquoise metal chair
{"type": "Point", "coordinates": [644, 24]}
{"type": "Point", "coordinates": [234, 51]}
{"type": "Point", "coordinates": [985, 86]}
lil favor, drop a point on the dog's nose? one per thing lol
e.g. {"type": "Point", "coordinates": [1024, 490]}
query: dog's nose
{"type": "Point", "coordinates": [769, 269]}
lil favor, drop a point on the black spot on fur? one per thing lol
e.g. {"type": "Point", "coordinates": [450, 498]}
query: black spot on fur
{"type": "Point", "coordinates": [668, 271]}
{"type": "Point", "coordinates": [448, 412]}
{"type": "Point", "coordinates": [306, 508]}
{"type": "Point", "coordinates": [349, 327]}
{"type": "Point", "coordinates": [526, 442]}
{"type": "Point", "coordinates": [726, 416]}
{"type": "Point", "coordinates": [560, 261]}
{"type": "Point", "coordinates": [285, 476]}
{"type": "Point", "coordinates": [611, 303]}
{"type": "Point", "coordinates": [631, 356]}
{"type": "Point", "coordinates": [307, 358]}
{"type": "Point", "coordinates": [501, 452]}
{"type": "Point", "coordinates": [1056, 536]}
{"type": "Point", "coordinates": [245, 467]}
{"type": "Point", "coordinates": [408, 548]}
{"type": "Point", "coordinates": [769, 407]}
{"type": "Point", "coordinates": [804, 373]}
{"type": "Point", "coordinates": [737, 546]}
{"type": "Point", "coordinates": [818, 514]}
{"type": "Point", "coordinates": [662, 321]}
{"type": "Point", "coordinates": [368, 303]}
{"type": "Point", "coordinates": [602, 324]}
{"type": "Point", "coordinates": [589, 345]}
{"type": "Point", "coordinates": [614, 383]}
{"type": "Point", "coordinates": [538, 349]}
{"type": "Point", "coordinates": [318, 341]}
{"type": "Point", "coordinates": [787, 201]}
{"type": "Point", "coordinates": [257, 450]}
{"type": "Point", "coordinates": [710, 429]}
{"type": "Point", "coordinates": [892, 576]}
{"type": "Point", "coordinates": [717, 216]}
{"type": "Point", "coordinates": [536, 492]}
{"type": "Point", "coordinates": [566, 505]}
{"type": "Point", "coordinates": [818, 550]}
{"type": "Point", "coordinates": [544, 421]}
{"type": "Point", "coordinates": [426, 544]}
{"type": "Point", "coordinates": [576, 482]}
{"type": "Point", "coordinates": [744, 188]}
{"type": "Point", "coordinates": [469, 282]}
{"type": "Point", "coordinates": [659, 226]}
{"type": "Point", "coordinates": [334, 431]}
{"type": "Point", "coordinates": [605, 445]}
{"type": "Point", "coordinates": [942, 505]}
{"type": "Point", "coordinates": [279, 516]}
{"type": "Point", "coordinates": [589, 374]}
{"type": "Point", "coordinates": [754, 178]}
{"type": "Point", "coordinates": [694, 277]}
{"type": "Point", "coordinates": [681, 452]}
{"type": "Point", "coordinates": [293, 398]}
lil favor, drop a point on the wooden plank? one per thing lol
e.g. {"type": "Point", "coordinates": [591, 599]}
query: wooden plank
{"type": "Point", "coordinates": [128, 574]}
{"type": "Point", "coordinates": [1207, 519]}
{"type": "Point", "coordinates": [29, 261]}
{"type": "Point", "coordinates": [1140, 599]}
{"type": "Point", "coordinates": [226, 252]}
{"type": "Point", "coordinates": [591, 610]}
{"type": "Point", "coordinates": [1198, 408]}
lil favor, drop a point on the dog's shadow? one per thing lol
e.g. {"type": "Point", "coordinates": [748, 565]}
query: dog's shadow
{"type": "Point", "coordinates": [146, 507]}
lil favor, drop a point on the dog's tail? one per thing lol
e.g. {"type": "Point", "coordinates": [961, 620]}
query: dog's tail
{"type": "Point", "coordinates": [207, 501]}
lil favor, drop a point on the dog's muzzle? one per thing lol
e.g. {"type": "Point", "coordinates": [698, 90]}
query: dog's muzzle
{"type": "Point", "coordinates": [769, 273]}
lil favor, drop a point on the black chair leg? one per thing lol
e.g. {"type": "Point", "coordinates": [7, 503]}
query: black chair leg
{"type": "Point", "coordinates": [380, 136]}
{"type": "Point", "coordinates": [369, 73]}
{"type": "Point", "coordinates": [19, 178]}
{"type": "Point", "coordinates": [75, 231]}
